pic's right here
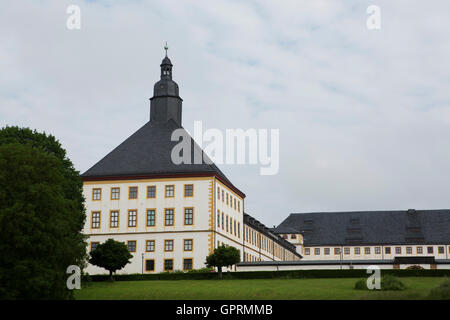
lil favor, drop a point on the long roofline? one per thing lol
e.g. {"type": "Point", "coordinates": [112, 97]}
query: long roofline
{"type": "Point", "coordinates": [161, 176]}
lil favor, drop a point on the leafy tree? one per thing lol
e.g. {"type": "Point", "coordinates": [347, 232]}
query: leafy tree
{"type": "Point", "coordinates": [111, 255]}
{"type": "Point", "coordinates": [223, 256]}
{"type": "Point", "coordinates": [41, 216]}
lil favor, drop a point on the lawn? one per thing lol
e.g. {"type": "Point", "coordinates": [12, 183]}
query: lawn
{"type": "Point", "coordinates": [272, 289]}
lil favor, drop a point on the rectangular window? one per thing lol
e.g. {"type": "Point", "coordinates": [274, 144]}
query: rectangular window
{"type": "Point", "coordinates": [218, 219]}
{"type": "Point", "coordinates": [227, 223]}
{"type": "Point", "coordinates": [132, 218]}
{"type": "Point", "coordinates": [398, 250]}
{"type": "Point", "coordinates": [377, 250]}
{"type": "Point", "coordinates": [430, 250]}
{"type": "Point", "coordinates": [95, 220]}
{"type": "Point", "coordinates": [367, 250]}
{"type": "Point", "coordinates": [168, 217]}
{"type": "Point", "coordinates": [150, 245]}
{"type": "Point", "coordinates": [337, 251]}
{"type": "Point", "coordinates": [239, 206]}
{"type": "Point", "coordinates": [234, 203]}
{"type": "Point", "coordinates": [326, 251]}
{"type": "Point", "coordinates": [149, 265]}
{"type": "Point", "coordinates": [96, 194]}
{"type": "Point", "coordinates": [187, 264]}
{"type": "Point", "coordinates": [317, 251]}
{"type": "Point", "coordinates": [188, 244]}
{"type": "Point", "coordinates": [387, 250]}
{"type": "Point", "coordinates": [227, 198]}
{"type": "Point", "coordinates": [170, 191]}
{"type": "Point", "coordinates": [223, 197]}
{"type": "Point", "coordinates": [347, 250]}
{"type": "Point", "coordinates": [239, 230]}
{"type": "Point", "coordinates": [357, 250]}
{"type": "Point", "coordinates": [223, 224]}
{"type": "Point", "coordinates": [94, 245]}
{"type": "Point", "coordinates": [307, 252]}
{"type": "Point", "coordinates": [419, 250]}
{"type": "Point", "coordinates": [114, 219]}
{"type": "Point", "coordinates": [218, 193]}
{"type": "Point", "coordinates": [234, 227]}
{"type": "Point", "coordinates": [151, 191]}
{"type": "Point", "coordinates": [168, 245]}
{"type": "Point", "coordinates": [168, 264]}
{"type": "Point", "coordinates": [115, 193]}
{"type": "Point", "coordinates": [132, 192]}
{"type": "Point", "coordinates": [441, 250]}
{"type": "Point", "coordinates": [131, 245]}
{"type": "Point", "coordinates": [151, 217]}
{"type": "Point", "coordinates": [188, 190]}
{"type": "Point", "coordinates": [188, 216]}
{"type": "Point", "coordinates": [408, 250]}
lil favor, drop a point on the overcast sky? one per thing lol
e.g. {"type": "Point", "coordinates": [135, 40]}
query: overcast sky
{"type": "Point", "coordinates": [364, 115]}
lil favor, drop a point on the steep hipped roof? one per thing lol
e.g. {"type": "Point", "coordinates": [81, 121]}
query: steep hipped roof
{"type": "Point", "coordinates": [370, 227]}
{"type": "Point", "coordinates": [147, 152]}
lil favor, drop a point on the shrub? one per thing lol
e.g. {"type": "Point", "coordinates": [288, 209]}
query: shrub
{"type": "Point", "coordinates": [441, 292]}
{"type": "Point", "coordinates": [201, 270]}
{"type": "Point", "coordinates": [389, 282]}
{"type": "Point", "coordinates": [361, 284]}
{"type": "Point", "coordinates": [414, 268]}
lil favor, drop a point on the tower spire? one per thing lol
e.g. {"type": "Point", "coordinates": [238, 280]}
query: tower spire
{"type": "Point", "coordinates": [166, 102]}
{"type": "Point", "coordinates": [166, 47]}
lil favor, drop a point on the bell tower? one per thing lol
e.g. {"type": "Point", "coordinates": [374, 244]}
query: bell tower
{"type": "Point", "coordinates": [166, 103]}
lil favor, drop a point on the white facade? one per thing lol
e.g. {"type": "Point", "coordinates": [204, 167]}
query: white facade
{"type": "Point", "coordinates": [369, 252]}
{"type": "Point", "coordinates": [218, 219]}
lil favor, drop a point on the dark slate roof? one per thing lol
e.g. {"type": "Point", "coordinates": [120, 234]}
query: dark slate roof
{"type": "Point", "coordinates": [370, 227]}
{"type": "Point", "coordinates": [148, 152]}
{"type": "Point", "coordinates": [255, 224]}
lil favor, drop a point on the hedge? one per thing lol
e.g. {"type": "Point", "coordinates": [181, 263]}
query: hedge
{"type": "Point", "coordinates": [294, 274]}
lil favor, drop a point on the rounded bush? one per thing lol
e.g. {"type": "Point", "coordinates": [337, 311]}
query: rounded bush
{"type": "Point", "coordinates": [361, 284]}
{"type": "Point", "coordinates": [441, 292]}
{"type": "Point", "coordinates": [389, 282]}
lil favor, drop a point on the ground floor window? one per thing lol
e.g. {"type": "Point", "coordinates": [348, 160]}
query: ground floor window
{"type": "Point", "coordinates": [149, 265]}
{"type": "Point", "coordinates": [187, 264]}
{"type": "Point", "coordinates": [168, 264]}
{"type": "Point", "coordinates": [419, 250]}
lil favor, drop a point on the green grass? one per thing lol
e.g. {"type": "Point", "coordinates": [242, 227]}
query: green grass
{"type": "Point", "coordinates": [272, 289]}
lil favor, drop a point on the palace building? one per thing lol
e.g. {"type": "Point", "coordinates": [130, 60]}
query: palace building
{"type": "Point", "coordinates": [171, 216]}
{"type": "Point", "coordinates": [369, 235]}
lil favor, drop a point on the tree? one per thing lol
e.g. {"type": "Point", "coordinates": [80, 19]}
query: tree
{"type": "Point", "coordinates": [223, 256]}
{"type": "Point", "coordinates": [41, 216]}
{"type": "Point", "coordinates": [111, 255]}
